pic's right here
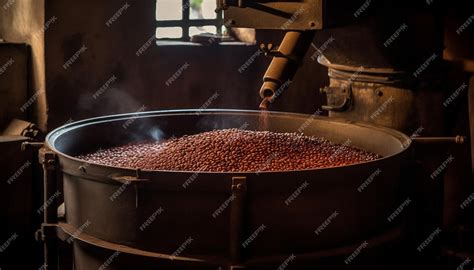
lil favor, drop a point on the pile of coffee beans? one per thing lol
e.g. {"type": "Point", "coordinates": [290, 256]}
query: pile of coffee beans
{"type": "Point", "coordinates": [232, 150]}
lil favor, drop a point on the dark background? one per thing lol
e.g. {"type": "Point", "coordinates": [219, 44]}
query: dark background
{"type": "Point", "coordinates": [141, 80]}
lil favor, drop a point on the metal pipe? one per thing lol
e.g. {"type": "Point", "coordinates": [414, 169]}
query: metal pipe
{"type": "Point", "coordinates": [285, 63]}
{"type": "Point", "coordinates": [440, 140]}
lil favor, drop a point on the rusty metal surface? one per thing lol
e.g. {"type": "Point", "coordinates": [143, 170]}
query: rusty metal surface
{"type": "Point", "coordinates": [339, 98]}
{"type": "Point", "coordinates": [281, 15]}
{"type": "Point", "coordinates": [380, 104]}
{"type": "Point", "coordinates": [89, 190]}
{"type": "Point", "coordinates": [351, 68]}
{"type": "Point", "coordinates": [383, 96]}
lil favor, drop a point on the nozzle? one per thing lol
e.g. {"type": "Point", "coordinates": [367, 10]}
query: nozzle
{"type": "Point", "coordinates": [269, 88]}
{"type": "Point", "coordinates": [285, 62]}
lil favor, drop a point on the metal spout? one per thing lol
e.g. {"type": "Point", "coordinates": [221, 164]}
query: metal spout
{"type": "Point", "coordinates": [286, 61]}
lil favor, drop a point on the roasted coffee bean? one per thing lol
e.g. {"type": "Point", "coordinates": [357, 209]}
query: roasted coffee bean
{"type": "Point", "coordinates": [232, 150]}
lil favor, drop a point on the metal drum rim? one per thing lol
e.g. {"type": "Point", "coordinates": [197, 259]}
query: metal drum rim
{"type": "Point", "coordinates": [406, 142]}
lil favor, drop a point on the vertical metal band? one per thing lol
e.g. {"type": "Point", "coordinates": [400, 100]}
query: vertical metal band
{"type": "Point", "coordinates": [471, 119]}
{"type": "Point", "coordinates": [186, 14]}
{"type": "Point", "coordinates": [48, 160]}
{"type": "Point", "coordinates": [239, 190]}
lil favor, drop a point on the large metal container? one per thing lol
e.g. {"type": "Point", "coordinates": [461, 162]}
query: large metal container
{"type": "Point", "coordinates": [109, 207]}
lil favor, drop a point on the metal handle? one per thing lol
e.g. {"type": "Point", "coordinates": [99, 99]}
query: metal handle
{"type": "Point", "coordinates": [441, 140]}
{"type": "Point", "coordinates": [26, 145]}
{"type": "Point", "coordinates": [335, 92]}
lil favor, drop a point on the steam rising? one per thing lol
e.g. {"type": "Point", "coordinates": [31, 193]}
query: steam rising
{"type": "Point", "coordinates": [113, 100]}
{"type": "Point", "coordinates": [156, 134]}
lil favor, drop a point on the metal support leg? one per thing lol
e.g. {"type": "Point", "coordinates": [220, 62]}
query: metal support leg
{"type": "Point", "coordinates": [471, 119]}
{"type": "Point", "coordinates": [47, 232]}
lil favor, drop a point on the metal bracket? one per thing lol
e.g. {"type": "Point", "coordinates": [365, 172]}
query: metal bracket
{"type": "Point", "coordinates": [47, 158]}
{"type": "Point", "coordinates": [27, 145]}
{"type": "Point", "coordinates": [225, 4]}
{"type": "Point", "coordinates": [47, 232]}
{"type": "Point", "coordinates": [289, 15]}
{"type": "Point", "coordinates": [239, 185]}
{"type": "Point", "coordinates": [336, 94]}
{"type": "Point", "coordinates": [128, 179]}
{"type": "Point", "coordinates": [273, 51]}
{"type": "Point", "coordinates": [239, 190]}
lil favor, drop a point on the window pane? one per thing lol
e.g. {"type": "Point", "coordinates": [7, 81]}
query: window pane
{"type": "Point", "coordinates": [195, 30]}
{"type": "Point", "coordinates": [202, 9]}
{"type": "Point", "coordinates": [169, 10]}
{"type": "Point", "coordinates": [169, 32]}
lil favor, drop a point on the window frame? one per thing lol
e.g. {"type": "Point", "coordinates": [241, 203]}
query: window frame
{"type": "Point", "coordinates": [186, 22]}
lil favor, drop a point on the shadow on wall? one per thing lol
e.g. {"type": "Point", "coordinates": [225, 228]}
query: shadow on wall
{"type": "Point", "coordinates": [97, 68]}
{"type": "Point", "coordinates": [23, 22]}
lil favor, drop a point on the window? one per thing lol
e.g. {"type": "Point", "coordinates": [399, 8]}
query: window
{"type": "Point", "coordinates": [182, 19]}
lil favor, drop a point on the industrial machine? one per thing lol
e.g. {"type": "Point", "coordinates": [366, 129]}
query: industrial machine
{"type": "Point", "coordinates": [373, 99]}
